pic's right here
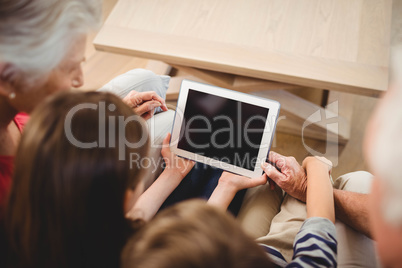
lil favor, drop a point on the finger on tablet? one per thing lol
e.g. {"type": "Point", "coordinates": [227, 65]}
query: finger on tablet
{"type": "Point", "coordinates": [166, 153]}
{"type": "Point", "coordinates": [276, 159]}
{"type": "Point", "coordinates": [258, 181]}
{"type": "Point", "coordinates": [166, 140]}
{"type": "Point", "coordinates": [273, 173]}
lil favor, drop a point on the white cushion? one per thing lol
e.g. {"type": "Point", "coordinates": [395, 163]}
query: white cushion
{"type": "Point", "coordinates": [159, 125]}
{"type": "Point", "coordinates": [140, 80]}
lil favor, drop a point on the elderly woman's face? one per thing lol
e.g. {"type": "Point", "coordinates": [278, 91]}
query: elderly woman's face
{"type": "Point", "coordinates": [66, 75]}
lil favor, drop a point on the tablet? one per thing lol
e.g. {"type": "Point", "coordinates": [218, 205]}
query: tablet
{"type": "Point", "coordinates": [223, 128]}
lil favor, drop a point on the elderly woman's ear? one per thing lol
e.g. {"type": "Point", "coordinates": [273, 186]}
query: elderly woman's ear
{"type": "Point", "coordinates": [8, 76]}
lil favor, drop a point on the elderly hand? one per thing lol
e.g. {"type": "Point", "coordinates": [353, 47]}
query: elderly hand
{"type": "Point", "coordinates": [144, 103]}
{"type": "Point", "coordinates": [291, 178]}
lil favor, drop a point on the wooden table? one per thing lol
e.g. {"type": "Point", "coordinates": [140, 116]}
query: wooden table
{"type": "Point", "coordinates": [251, 45]}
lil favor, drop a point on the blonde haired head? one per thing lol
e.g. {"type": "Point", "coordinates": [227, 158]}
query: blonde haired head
{"type": "Point", "coordinates": [193, 234]}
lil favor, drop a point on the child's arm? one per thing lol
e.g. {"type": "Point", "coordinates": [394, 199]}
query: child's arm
{"type": "Point", "coordinates": [151, 200]}
{"type": "Point", "coordinates": [229, 184]}
{"type": "Point", "coordinates": [320, 197]}
{"type": "Point", "coordinates": [315, 244]}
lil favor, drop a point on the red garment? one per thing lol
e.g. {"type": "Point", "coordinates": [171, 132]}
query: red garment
{"type": "Point", "coordinates": [7, 164]}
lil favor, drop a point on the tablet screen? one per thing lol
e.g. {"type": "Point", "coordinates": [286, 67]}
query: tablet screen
{"type": "Point", "coordinates": [223, 129]}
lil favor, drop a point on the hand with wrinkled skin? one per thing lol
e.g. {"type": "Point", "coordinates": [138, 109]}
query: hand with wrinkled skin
{"type": "Point", "coordinates": [144, 103]}
{"type": "Point", "coordinates": [291, 178]}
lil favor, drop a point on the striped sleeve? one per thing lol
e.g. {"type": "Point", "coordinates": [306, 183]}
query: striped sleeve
{"type": "Point", "coordinates": [275, 256]}
{"type": "Point", "coordinates": [315, 245]}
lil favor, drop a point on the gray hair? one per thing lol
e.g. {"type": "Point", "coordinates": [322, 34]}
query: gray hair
{"type": "Point", "coordinates": [386, 153]}
{"type": "Point", "coordinates": [35, 35]}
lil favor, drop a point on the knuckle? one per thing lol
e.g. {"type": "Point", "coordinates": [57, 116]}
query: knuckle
{"type": "Point", "coordinates": [281, 161]}
{"type": "Point", "coordinates": [269, 171]}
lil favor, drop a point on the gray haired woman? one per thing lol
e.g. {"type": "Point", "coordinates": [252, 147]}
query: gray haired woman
{"type": "Point", "coordinates": [42, 46]}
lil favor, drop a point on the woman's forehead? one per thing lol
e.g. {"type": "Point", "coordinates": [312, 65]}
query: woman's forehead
{"type": "Point", "coordinates": [76, 52]}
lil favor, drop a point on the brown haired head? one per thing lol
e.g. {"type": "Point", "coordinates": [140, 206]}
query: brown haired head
{"type": "Point", "coordinates": [193, 234]}
{"type": "Point", "coordinates": [66, 203]}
